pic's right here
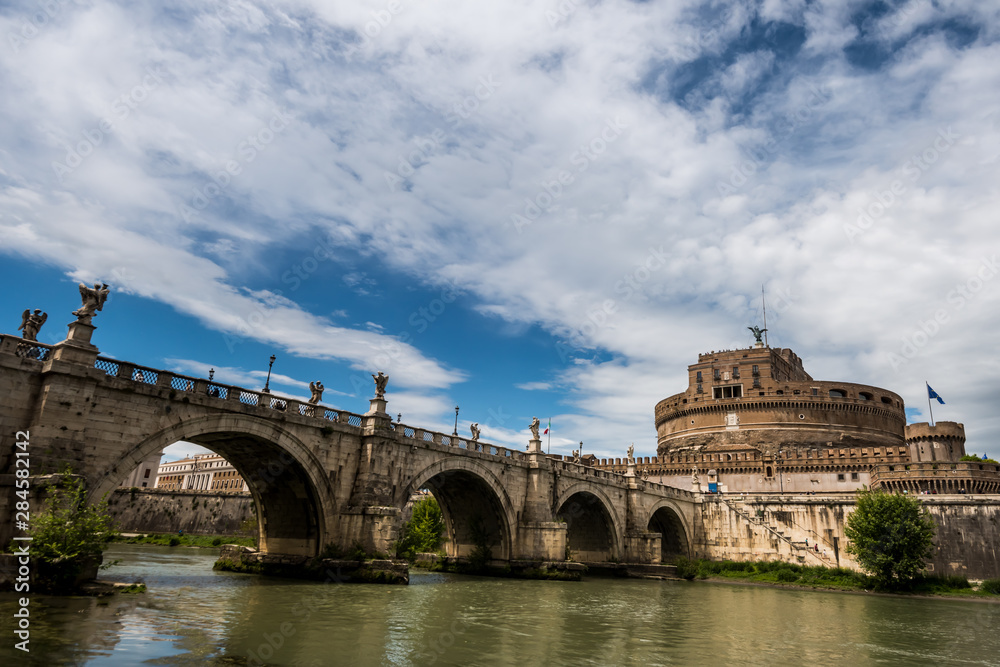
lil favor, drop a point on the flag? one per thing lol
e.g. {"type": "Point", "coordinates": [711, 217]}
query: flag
{"type": "Point", "coordinates": [933, 394]}
{"type": "Point", "coordinates": [547, 427]}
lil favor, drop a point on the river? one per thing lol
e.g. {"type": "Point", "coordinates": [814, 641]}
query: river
{"type": "Point", "coordinates": [194, 616]}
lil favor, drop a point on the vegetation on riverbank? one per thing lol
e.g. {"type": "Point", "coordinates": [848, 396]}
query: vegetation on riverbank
{"type": "Point", "coordinates": [176, 540]}
{"type": "Point", "coordinates": [788, 574]}
{"type": "Point", "coordinates": [68, 536]}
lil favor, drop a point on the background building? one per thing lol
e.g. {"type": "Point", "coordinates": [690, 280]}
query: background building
{"type": "Point", "coordinates": [208, 472]}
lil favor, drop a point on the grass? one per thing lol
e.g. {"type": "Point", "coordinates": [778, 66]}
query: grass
{"type": "Point", "coordinates": [175, 540]}
{"type": "Point", "coordinates": [773, 572]}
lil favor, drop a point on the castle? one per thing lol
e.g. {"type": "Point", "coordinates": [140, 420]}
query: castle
{"type": "Point", "coordinates": [754, 421]}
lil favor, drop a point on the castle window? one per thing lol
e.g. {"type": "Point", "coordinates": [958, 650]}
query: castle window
{"type": "Point", "coordinates": [815, 391]}
{"type": "Point", "coordinates": [768, 472]}
{"type": "Point", "coordinates": [840, 477]}
{"type": "Point", "coordinates": [865, 396]}
{"type": "Point", "coordinates": [854, 476]}
{"type": "Point", "coordinates": [838, 393]}
{"type": "Point", "coordinates": [736, 372]}
{"type": "Point", "coordinates": [716, 373]}
{"type": "Point", "coordinates": [887, 400]}
{"type": "Point", "coordinates": [756, 369]}
{"type": "Point", "coordinates": [729, 391]}
{"type": "Point", "coordinates": [698, 376]}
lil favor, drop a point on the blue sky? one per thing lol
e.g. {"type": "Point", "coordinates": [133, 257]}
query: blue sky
{"type": "Point", "coordinates": [523, 208]}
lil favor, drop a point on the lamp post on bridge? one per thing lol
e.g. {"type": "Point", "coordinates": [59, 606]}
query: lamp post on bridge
{"type": "Point", "coordinates": [267, 384]}
{"type": "Point", "coordinates": [455, 432]}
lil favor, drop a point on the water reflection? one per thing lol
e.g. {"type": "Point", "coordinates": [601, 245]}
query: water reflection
{"type": "Point", "coordinates": [195, 616]}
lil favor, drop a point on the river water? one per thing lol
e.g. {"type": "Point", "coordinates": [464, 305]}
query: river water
{"type": "Point", "coordinates": [194, 616]}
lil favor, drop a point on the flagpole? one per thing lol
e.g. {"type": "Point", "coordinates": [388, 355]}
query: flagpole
{"type": "Point", "coordinates": [549, 429]}
{"type": "Point", "coordinates": [929, 407]}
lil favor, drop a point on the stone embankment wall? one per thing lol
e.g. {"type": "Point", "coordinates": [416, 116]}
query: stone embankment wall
{"type": "Point", "coordinates": [790, 529]}
{"type": "Point", "coordinates": [194, 512]}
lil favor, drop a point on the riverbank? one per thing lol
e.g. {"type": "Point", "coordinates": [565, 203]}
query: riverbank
{"type": "Point", "coordinates": [181, 540]}
{"type": "Point", "coordinates": [787, 575]}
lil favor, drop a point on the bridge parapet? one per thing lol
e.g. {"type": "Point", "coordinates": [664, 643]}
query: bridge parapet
{"type": "Point", "coordinates": [26, 349]}
{"type": "Point", "coordinates": [186, 383]}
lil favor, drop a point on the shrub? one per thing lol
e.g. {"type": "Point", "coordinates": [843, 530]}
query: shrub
{"type": "Point", "coordinates": [67, 533]}
{"type": "Point", "coordinates": [991, 586]}
{"type": "Point", "coordinates": [686, 569]}
{"type": "Point", "coordinates": [890, 536]}
{"type": "Point", "coordinates": [787, 575]}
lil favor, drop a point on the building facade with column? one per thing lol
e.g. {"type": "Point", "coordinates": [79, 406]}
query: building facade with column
{"type": "Point", "coordinates": [208, 472]}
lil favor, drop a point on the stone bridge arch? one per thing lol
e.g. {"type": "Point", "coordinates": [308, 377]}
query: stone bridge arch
{"type": "Point", "coordinates": [292, 495]}
{"type": "Point", "coordinates": [594, 529]}
{"type": "Point", "coordinates": [474, 504]}
{"type": "Point", "coordinates": [668, 517]}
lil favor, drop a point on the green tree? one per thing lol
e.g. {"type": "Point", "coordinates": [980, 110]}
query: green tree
{"type": "Point", "coordinates": [424, 532]}
{"type": "Point", "coordinates": [890, 536]}
{"type": "Point", "coordinates": [68, 534]}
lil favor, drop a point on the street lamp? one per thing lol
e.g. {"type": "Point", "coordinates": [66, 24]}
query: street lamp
{"type": "Point", "coordinates": [267, 385]}
{"type": "Point", "coordinates": [455, 433]}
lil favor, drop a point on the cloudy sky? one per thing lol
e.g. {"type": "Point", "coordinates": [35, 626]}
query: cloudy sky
{"type": "Point", "coordinates": [520, 208]}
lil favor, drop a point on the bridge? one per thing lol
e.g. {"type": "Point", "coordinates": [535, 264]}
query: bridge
{"type": "Point", "coordinates": [322, 476]}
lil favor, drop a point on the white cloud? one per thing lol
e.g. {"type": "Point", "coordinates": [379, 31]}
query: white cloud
{"type": "Point", "coordinates": [805, 163]}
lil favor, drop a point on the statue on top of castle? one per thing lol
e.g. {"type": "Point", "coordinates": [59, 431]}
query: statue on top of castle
{"type": "Point", "coordinates": [631, 451]}
{"type": "Point", "coordinates": [32, 322]}
{"type": "Point", "coordinates": [93, 300]}
{"type": "Point", "coordinates": [758, 333]}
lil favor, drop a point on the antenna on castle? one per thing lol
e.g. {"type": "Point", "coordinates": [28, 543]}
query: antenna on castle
{"type": "Point", "coordinates": [763, 306]}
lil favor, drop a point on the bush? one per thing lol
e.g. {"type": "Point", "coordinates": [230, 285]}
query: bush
{"type": "Point", "coordinates": [67, 534]}
{"type": "Point", "coordinates": [686, 569]}
{"type": "Point", "coordinates": [174, 541]}
{"type": "Point", "coordinates": [890, 535]}
{"type": "Point", "coordinates": [424, 532]}
{"type": "Point", "coordinates": [787, 575]}
{"type": "Point", "coordinates": [991, 586]}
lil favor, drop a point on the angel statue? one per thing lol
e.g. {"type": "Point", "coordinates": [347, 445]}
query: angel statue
{"type": "Point", "coordinates": [576, 456]}
{"type": "Point", "coordinates": [317, 392]}
{"type": "Point", "coordinates": [631, 451]}
{"type": "Point", "coordinates": [757, 333]}
{"type": "Point", "coordinates": [534, 427]}
{"type": "Point", "coordinates": [32, 322]}
{"type": "Point", "coordinates": [380, 381]}
{"type": "Point", "coordinates": [93, 301]}
{"type": "Point", "coordinates": [475, 431]}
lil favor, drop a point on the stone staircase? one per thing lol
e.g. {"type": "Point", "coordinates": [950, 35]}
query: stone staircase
{"type": "Point", "coordinates": [799, 548]}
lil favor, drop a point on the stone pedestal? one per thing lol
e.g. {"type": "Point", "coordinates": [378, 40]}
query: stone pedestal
{"type": "Point", "coordinates": [630, 468]}
{"type": "Point", "coordinates": [535, 446]}
{"type": "Point", "coordinates": [77, 347]}
{"type": "Point", "coordinates": [377, 406]}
